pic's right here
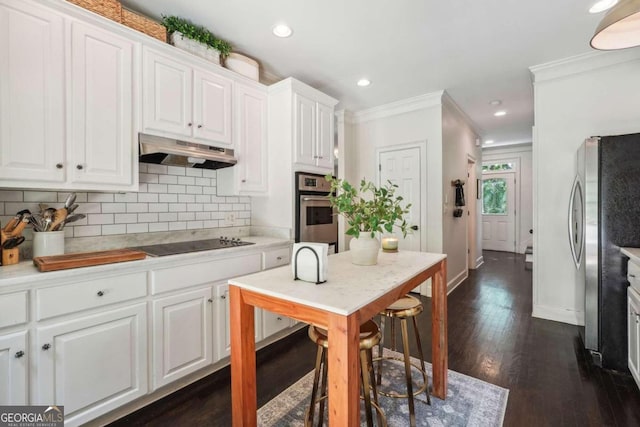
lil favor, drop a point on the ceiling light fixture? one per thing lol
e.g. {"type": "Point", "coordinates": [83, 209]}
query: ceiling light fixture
{"type": "Point", "coordinates": [364, 82]}
{"type": "Point", "coordinates": [282, 30]}
{"type": "Point", "coordinates": [489, 141]}
{"type": "Point", "coordinates": [602, 5]}
{"type": "Point", "coordinates": [495, 102]}
{"type": "Point", "coordinates": [620, 27]}
{"type": "Point", "coordinates": [500, 113]}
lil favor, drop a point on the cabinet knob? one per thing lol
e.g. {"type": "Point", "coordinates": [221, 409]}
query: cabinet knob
{"type": "Point", "coordinates": [279, 258]}
{"type": "Point", "coordinates": [210, 300]}
{"type": "Point", "coordinates": [279, 318]}
{"type": "Point", "coordinates": [632, 275]}
{"type": "Point", "coordinates": [199, 126]}
{"type": "Point", "coordinates": [223, 297]}
{"type": "Point", "coordinates": [19, 354]}
{"type": "Point", "coordinates": [59, 166]}
{"type": "Point", "coordinates": [320, 157]}
{"type": "Point", "coordinates": [244, 180]}
{"type": "Point", "coordinates": [46, 346]}
{"type": "Point", "coordinates": [315, 157]}
{"type": "Point", "coordinates": [79, 167]}
{"type": "Point", "coordinates": [189, 124]}
{"type": "Point", "coordinates": [100, 293]}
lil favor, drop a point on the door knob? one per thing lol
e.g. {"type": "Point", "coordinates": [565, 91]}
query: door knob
{"type": "Point", "coordinates": [414, 227]}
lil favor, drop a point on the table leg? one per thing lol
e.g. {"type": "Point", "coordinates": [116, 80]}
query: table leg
{"type": "Point", "coordinates": [243, 360]}
{"type": "Point", "coordinates": [439, 331]}
{"type": "Point", "coordinates": [344, 380]}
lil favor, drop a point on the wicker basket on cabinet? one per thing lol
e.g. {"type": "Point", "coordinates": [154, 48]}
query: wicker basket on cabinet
{"type": "Point", "coordinates": [111, 9]}
{"type": "Point", "coordinates": [143, 24]}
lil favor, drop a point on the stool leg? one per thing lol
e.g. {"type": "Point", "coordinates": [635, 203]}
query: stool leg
{"type": "Point", "coordinates": [366, 391]}
{"type": "Point", "coordinates": [407, 370]}
{"type": "Point", "coordinates": [374, 389]}
{"type": "Point", "coordinates": [426, 378]}
{"type": "Point", "coordinates": [380, 347]}
{"type": "Point", "coordinates": [393, 333]}
{"type": "Point", "coordinates": [324, 387]}
{"type": "Point", "coordinates": [314, 389]}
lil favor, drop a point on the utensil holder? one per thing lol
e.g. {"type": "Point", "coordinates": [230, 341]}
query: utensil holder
{"type": "Point", "coordinates": [8, 256]}
{"type": "Point", "coordinates": [47, 243]}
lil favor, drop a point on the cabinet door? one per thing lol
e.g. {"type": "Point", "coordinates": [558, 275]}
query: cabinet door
{"type": "Point", "coordinates": [14, 362]}
{"type": "Point", "coordinates": [222, 329]}
{"type": "Point", "coordinates": [181, 335]}
{"type": "Point", "coordinates": [251, 138]}
{"type": "Point", "coordinates": [304, 122]}
{"type": "Point", "coordinates": [102, 143]}
{"type": "Point", "coordinates": [31, 95]}
{"type": "Point", "coordinates": [634, 336]}
{"type": "Point", "coordinates": [93, 364]}
{"type": "Point", "coordinates": [212, 109]}
{"type": "Point", "coordinates": [166, 95]}
{"type": "Point", "coordinates": [325, 142]}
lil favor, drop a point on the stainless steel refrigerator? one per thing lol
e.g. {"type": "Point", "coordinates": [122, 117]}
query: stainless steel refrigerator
{"type": "Point", "coordinates": [604, 216]}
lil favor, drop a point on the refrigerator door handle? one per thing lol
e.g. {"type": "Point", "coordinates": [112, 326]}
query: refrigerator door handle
{"type": "Point", "coordinates": [576, 221]}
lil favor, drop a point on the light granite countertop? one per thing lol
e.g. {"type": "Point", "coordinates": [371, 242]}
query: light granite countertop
{"type": "Point", "coordinates": [25, 273]}
{"type": "Point", "coordinates": [348, 288]}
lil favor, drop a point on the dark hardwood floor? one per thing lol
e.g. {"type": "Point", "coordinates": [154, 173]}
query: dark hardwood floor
{"type": "Point", "coordinates": [492, 336]}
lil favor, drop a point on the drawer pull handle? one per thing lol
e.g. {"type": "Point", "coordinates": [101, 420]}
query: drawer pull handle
{"type": "Point", "coordinates": [632, 276]}
{"type": "Point", "coordinates": [100, 293]}
{"type": "Point", "coordinates": [46, 346]}
{"type": "Point", "coordinates": [19, 354]}
{"type": "Point", "coordinates": [223, 297]}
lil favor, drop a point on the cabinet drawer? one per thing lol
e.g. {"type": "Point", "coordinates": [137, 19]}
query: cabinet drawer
{"type": "Point", "coordinates": [276, 258]}
{"type": "Point", "coordinates": [173, 278]}
{"type": "Point", "coordinates": [13, 309]}
{"type": "Point", "coordinates": [84, 295]}
{"type": "Point", "coordinates": [633, 275]}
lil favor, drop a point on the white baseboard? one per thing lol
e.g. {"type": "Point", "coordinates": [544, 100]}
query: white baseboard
{"type": "Point", "coordinates": [455, 282]}
{"type": "Point", "coordinates": [571, 317]}
{"type": "Point", "coordinates": [479, 261]}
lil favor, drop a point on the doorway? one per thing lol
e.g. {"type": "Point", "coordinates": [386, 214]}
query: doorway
{"type": "Point", "coordinates": [499, 211]}
{"type": "Point", "coordinates": [471, 213]}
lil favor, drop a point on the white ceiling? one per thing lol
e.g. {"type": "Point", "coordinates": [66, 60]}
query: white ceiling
{"type": "Point", "coordinates": [476, 50]}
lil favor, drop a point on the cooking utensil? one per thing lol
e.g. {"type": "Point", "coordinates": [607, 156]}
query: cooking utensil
{"type": "Point", "coordinates": [12, 242]}
{"type": "Point", "coordinates": [72, 208]}
{"type": "Point", "coordinates": [58, 219]}
{"type": "Point", "coordinates": [71, 218]}
{"type": "Point", "coordinates": [13, 222]}
{"type": "Point", "coordinates": [17, 230]}
{"type": "Point", "coordinates": [70, 200]}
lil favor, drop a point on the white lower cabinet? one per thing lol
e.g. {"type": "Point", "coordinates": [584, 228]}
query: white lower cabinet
{"type": "Point", "coordinates": [14, 362]}
{"type": "Point", "coordinates": [633, 304]}
{"type": "Point", "coordinates": [182, 335]}
{"type": "Point", "coordinates": [92, 364]}
{"type": "Point", "coordinates": [222, 329]}
{"type": "Point", "coordinates": [273, 323]}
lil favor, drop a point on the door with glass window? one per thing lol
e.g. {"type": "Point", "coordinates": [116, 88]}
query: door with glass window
{"type": "Point", "coordinates": [498, 212]}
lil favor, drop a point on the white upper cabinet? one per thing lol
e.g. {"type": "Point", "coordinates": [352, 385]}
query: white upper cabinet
{"type": "Point", "coordinates": [185, 102]}
{"type": "Point", "coordinates": [102, 134]}
{"type": "Point", "coordinates": [66, 102]}
{"type": "Point", "coordinates": [249, 176]}
{"type": "Point", "coordinates": [305, 130]}
{"type": "Point", "coordinates": [325, 143]}
{"type": "Point", "coordinates": [32, 139]}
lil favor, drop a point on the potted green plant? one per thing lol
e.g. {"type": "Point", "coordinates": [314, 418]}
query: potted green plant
{"type": "Point", "coordinates": [368, 210]}
{"type": "Point", "coordinates": [195, 39]}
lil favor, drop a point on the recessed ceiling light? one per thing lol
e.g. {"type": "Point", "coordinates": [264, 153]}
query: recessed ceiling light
{"type": "Point", "coordinates": [489, 141]}
{"type": "Point", "coordinates": [364, 82]}
{"type": "Point", "coordinates": [495, 102]}
{"type": "Point", "coordinates": [500, 113]}
{"type": "Point", "coordinates": [602, 5]}
{"type": "Point", "coordinates": [282, 30]}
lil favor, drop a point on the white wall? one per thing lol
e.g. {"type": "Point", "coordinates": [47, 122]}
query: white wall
{"type": "Point", "coordinates": [523, 153]}
{"type": "Point", "coordinates": [458, 145]}
{"type": "Point", "coordinates": [391, 125]}
{"type": "Point", "coordinates": [592, 94]}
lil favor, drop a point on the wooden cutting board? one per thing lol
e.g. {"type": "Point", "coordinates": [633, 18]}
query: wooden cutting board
{"type": "Point", "coordinates": [86, 259]}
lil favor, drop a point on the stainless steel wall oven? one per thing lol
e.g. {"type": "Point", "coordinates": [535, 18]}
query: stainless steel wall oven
{"type": "Point", "coordinates": [316, 220]}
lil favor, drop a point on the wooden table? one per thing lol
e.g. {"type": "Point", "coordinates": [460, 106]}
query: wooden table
{"type": "Point", "coordinates": [351, 296]}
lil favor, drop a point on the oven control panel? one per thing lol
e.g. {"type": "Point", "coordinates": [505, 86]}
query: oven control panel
{"type": "Point", "coordinates": [313, 183]}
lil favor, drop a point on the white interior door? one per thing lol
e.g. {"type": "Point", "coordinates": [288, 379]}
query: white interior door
{"type": "Point", "coordinates": [498, 212]}
{"type": "Point", "coordinates": [402, 168]}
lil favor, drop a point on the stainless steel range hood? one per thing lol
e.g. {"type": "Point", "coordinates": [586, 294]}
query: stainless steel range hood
{"type": "Point", "coordinates": [172, 152]}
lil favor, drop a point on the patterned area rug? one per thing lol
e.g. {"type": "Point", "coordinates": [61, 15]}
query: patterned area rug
{"type": "Point", "coordinates": [470, 402]}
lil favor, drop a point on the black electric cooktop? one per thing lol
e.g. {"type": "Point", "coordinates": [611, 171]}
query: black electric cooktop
{"type": "Point", "coordinates": [165, 249]}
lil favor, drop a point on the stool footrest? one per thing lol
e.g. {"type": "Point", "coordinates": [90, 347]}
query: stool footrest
{"type": "Point", "coordinates": [422, 388]}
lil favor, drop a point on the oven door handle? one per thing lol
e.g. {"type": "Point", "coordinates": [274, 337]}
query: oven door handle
{"type": "Point", "coordinates": [315, 199]}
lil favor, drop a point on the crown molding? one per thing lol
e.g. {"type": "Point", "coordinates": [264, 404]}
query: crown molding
{"type": "Point", "coordinates": [344, 116]}
{"type": "Point", "coordinates": [582, 63]}
{"type": "Point", "coordinates": [447, 101]}
{"type": "Point", "coordinates": [399, 107]}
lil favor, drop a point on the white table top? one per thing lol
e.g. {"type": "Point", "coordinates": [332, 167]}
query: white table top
{"type": "Point", "coordinates": [349, 287]}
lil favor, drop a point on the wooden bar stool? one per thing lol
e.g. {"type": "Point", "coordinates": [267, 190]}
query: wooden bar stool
{"type": "Point", "coordinates": [369, 338]}
{"type": "Point", "coordinates": [404, 308]}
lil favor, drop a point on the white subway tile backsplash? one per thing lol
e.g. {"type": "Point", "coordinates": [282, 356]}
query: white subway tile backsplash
{"type": "Point", "coordinates": [169, 198]}
{"type": "Point", "coordinates": [100, 197]}
{"type": "Point", "coordinates": [11, 196]}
